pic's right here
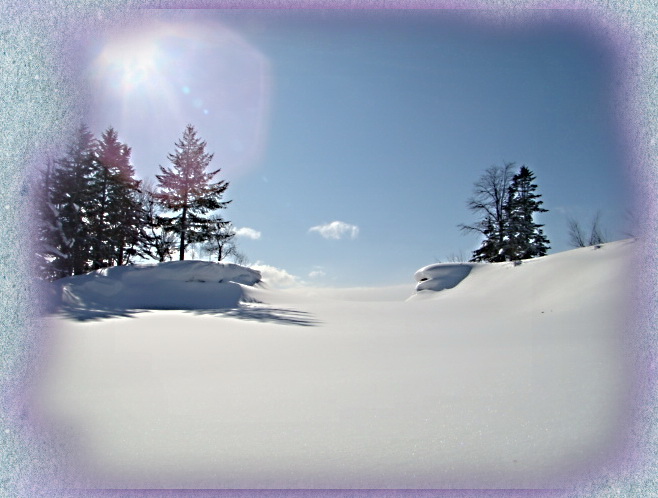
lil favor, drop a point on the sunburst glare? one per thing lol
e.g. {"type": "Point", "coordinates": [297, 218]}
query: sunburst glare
{"type": "Point", "coordinates": [151, 80]}
{"type": "Point", "coordinates": [131, 64]}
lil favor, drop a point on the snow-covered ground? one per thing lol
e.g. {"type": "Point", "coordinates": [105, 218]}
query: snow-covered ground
{"type": "Point", "coordinates": [511, 376]}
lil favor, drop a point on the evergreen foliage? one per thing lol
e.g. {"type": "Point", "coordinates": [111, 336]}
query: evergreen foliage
{"type": "Point", "coordinates": [507, 203]}
{"type": "Point", "coordinates": [50, 240]}
{"type": "Point", "coordinates": [73, 197]}
{"type": "Point", "coordinates": [123, 207]}
{"type": "Point", "coordinates": [87, 207]}
{"type": "Point", "coordinates": [187, 190]}
{"type": "Point", "coordinates": [116, 217]}
{"type": "Point", "coordinates": [525, 239]}
{"type": "Point", "coordinates": [155, 242]}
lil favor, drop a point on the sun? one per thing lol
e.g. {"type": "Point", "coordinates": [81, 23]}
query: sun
{"type": "Point", "coordinates": [148, 79]}
{"type": "Point", "coordinates": [131, 64]}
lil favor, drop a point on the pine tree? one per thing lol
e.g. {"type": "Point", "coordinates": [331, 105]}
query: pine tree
{"type": "Point", "coordinates": [491, 247]}
{"type": "Point", "coordinates": [49, 238]}
{"type": "Point", "coordinates": [73, 199]}
{"type": "Point", "coordinates": [186, 189]}
{"type": "Point", "coordinates": [524, 238]}
{"type": "Point", "coordinates": [98, 220]}
{"type": "Point", "coordinates": [120, 212]}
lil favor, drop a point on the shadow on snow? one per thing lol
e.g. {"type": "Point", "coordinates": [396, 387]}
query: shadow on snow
{"type": "Point", "coordinates": [252, 312]}
{"type": "Point", "coordinates": [82, 314]}
{"type": "Point", "coordinates": [264, 313]}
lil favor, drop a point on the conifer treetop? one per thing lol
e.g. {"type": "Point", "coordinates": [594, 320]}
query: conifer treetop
{"type": "Point", "coordinates": [186, 183]}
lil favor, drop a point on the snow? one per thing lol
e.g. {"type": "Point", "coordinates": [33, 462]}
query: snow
{"type": "Point", "coordinates": [442, 275]}
{"type": "Point", "coordinates": [169, 285]}
{"type": "Point", "coordinates": [510, 376]}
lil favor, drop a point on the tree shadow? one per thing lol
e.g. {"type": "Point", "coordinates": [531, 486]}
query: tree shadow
{"type": "Point", "coordinates": [263, 313]}
{"type": "Point", "coordinates": [82, 314]}
{"type": "Point", "coordinates": [258, 312]}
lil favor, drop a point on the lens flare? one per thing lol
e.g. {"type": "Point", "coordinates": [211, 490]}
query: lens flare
{"type": "Point", "coordinates": [131, 64]}
{"type": "Point", "coordinates": [150, 80]}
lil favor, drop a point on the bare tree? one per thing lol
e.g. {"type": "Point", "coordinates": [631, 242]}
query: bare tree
{"type": "Point", "coordinates": [596, 235]}
{"type": "Point", "coordinates": [239, 258]}
{"type": "Point", "coordinates": [489, 200]}
{"type": "Point", "coordinates": [220, 240]}
{"type": "Point", "coordinates": [579, 238]}
{"type": "Point", "coordinates": [453, 257]}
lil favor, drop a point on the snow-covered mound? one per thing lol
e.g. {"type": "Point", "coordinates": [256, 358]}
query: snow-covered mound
{"type": "Point", "coordinates": [170, 285]}
{"type": "Point", "coordinates": [442, 275]}
{"type": "Point", "coordinates": [567, 277]}
{"type": "Point", "coordinates": [570, 272]}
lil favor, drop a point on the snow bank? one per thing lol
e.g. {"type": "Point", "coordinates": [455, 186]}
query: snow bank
{"type": "Point", "coordinates": [170, 285]}
{"type": "Point", "coordinates": [442, 275]}
{"type": "Point", "coordinates": [556, 273]}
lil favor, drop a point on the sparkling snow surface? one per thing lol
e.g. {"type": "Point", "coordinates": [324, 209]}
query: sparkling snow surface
{"type": "Point", "coordinates": [513, 376]}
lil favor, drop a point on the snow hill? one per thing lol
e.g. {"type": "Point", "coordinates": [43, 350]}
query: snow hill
{"type": "Point", "coordinates": [197, 375]}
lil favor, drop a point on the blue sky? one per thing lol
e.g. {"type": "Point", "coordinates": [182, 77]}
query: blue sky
{"type": "Point", "coordinates": [379, 123]}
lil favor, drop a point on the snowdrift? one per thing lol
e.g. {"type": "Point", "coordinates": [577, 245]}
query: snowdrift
{"type": "Point", "coordinates": [169, 285]}
{"type": "Point", "coordinates": [442, 275]}
{"type": "Point", "coordinates": [565, 279]}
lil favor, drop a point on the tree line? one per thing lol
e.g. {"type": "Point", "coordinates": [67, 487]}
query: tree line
{"type": "Point", "coordinates": [92, 212]}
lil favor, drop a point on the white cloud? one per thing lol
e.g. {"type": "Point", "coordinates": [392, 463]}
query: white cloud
{"type": "Point", "coordinates": [248, 233]}
{"type": "Point", "coordinates": [276, 277]}
{"type": "Point", "coordinates": [336, 230]}
{"type": "Point", "coordinates": [316, 274]}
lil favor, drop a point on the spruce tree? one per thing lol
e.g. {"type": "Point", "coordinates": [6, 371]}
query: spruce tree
{"type": "Point", "coordinates": [524, 238]}
{"type": "Point", "coordinates": [491, 247]}
{"type": "Point", "coordinates": [74, 199]}
{"type": "Point", "coordinates": [49, 238]}
{"type": "Point", "coordinates": [98, 219]}
{"type": "Point", "coordinates": [121, 210]}
{"type": "Point", "coordinates": [187, 190]}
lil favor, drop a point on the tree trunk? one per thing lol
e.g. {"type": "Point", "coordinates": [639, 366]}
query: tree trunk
{"type": "Point", "coordinates": [120, 252]}
{"type": "Point", "coordinates": [183, 230]}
